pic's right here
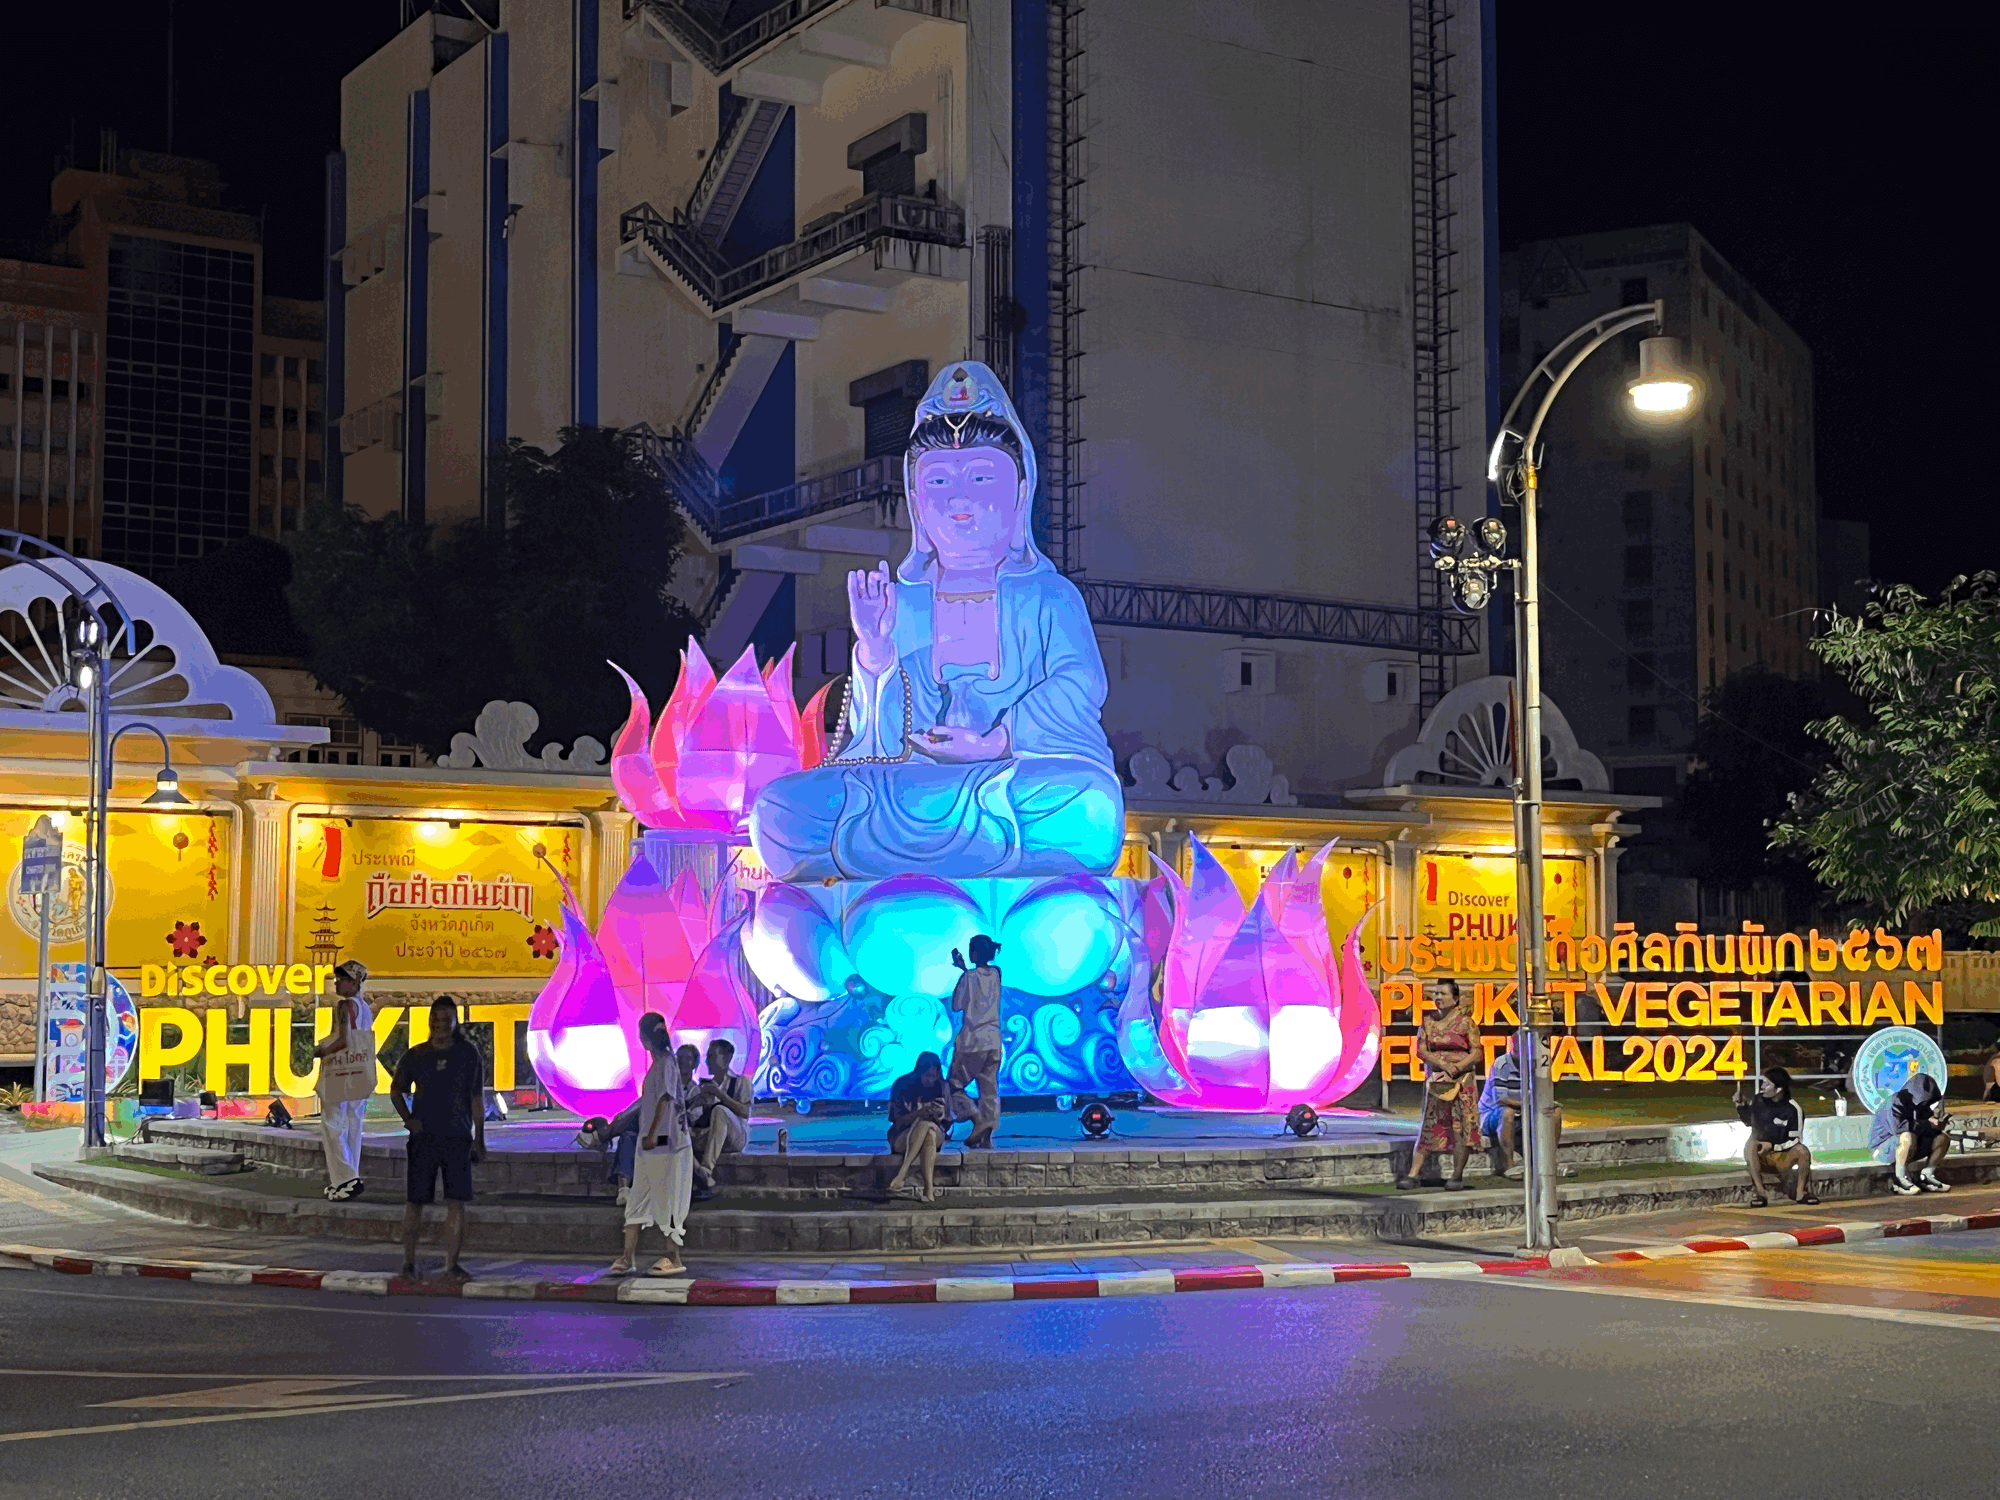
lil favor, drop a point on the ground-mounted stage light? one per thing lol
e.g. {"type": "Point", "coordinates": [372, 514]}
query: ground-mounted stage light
{"type": "Point", "coordinates": [1095, 1119]}
{"type": "Point", "coordinates": [1302, 1120]}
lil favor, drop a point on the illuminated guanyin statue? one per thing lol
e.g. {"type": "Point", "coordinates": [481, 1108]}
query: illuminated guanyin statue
{"type": "Point", "coordinates": [970, 743]}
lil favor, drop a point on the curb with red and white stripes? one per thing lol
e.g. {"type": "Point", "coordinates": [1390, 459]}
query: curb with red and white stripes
{"type": "Point", "coordinates": [697, 1292]}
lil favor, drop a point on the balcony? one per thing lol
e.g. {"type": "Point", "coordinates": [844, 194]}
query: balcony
{"type": "Point", "coordinates": [688, 478]}
{"type": "Point", "coordinates": [678, 250]}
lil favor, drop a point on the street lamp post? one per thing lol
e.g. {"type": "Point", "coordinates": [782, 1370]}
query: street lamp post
{"type": "Point", "coordinates": [1662, 389]}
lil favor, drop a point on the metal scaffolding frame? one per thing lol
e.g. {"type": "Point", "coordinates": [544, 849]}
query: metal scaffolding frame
{"type": "Point", "coordinates": [1067, 163]}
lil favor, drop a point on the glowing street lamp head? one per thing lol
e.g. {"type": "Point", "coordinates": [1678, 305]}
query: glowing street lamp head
{"type": "Point", "coordinates": [1663, 386]}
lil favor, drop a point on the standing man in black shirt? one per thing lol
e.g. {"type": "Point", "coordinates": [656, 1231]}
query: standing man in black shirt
{"type": "Point", "coordinates": [439, 1090]}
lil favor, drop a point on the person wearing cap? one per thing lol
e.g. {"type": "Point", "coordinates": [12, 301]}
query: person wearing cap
{"type": "Point", "coordinates": [346, 1080]}
{"type": "Point", "coordinates": [976, 1053]}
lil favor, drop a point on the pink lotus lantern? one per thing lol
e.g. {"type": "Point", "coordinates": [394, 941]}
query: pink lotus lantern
{"type": "Point", "coordinates": [651, 935]}
{"type": "Point", "coordinates": [717, 745]}
{"type": "Point", "coordinates": [1256, 1011]}
{"type": "Point", "coordinates": [583, 1034]}
{"type": "Point", "coordinates": [716, 1004]}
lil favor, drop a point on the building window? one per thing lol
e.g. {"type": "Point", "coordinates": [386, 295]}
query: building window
{"type": "Point", "coordinates": [58, 387]}
{"type": "Point", "coordinates": [315, 420]}
{"type": "Point", "coordinates": [1639, 511]}
{"type": "Point", "coordinates": [1632, 291]}
{"type": "Point", "coordinates": [1711, 619]}
{"type": "Point", "coordinates": [264, 465]}
{"type": "Point", "coordinates": [1638, 567]}
{"type": "Point", "coordinates": [1638, 618]}
{"type": "Point", "coordinates": [312, 371]}
{"type": "Point", "coordinates": [1639, 676]}
{"type": "Point", "coordinates": [267, 416]}
{"type": "Point", "coordinates": [1706, 454]}
{"type": "Point", "coordinates": [312, 471]}
{"type": "Point", "coordinates": [1641, 723]}
{"type": "Point", "coordinates": [393, 752]}
{"type": "Point", "coordinates": [291, 364]}
{"type": "Point", "coordinates": [267, 365]}
{"type": "Point", "coordinates": [291, 416]}
{"type": "Point", "coordinates": [343, 743]}
{"type": "Point", "coordinates": [1638, 458]}
{"type": "Point", "coordinates": [291, 468]}
{"type": "Point", "coordinates": [264, 514]}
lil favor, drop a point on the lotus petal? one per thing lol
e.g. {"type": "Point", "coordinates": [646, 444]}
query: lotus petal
{"type": "Point", "coordinates": [1060, 936]}
{"type": "Point", "coordinates": [583, 1039]}
{"type": "Point", "coordinates": [651, 933]}
{"type": "Point", "coordinates": [718, 1005]}
{"type": "Point", "coordinates": [632, 773]}
{"type": "Point", "coordinates": [812, 730]}
{"type": "Point", "coordinates": [778, 686]}
{"type": "Point", "coordinates": [900, 933]}
{"type": "Point", "coordinates": [691, 691]}
{"type": "Point", "coordinates": [733, 747]}
{"type": "Point", "coordinates": [794, 947]}
{"type": "Point", "coordinates": [1360, 1021]}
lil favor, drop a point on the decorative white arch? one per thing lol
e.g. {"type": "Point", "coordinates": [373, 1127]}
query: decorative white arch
{"type": "Point", "coordinates": [1468, 741]}
{"type": "Point", "coordinates": [167, 670]}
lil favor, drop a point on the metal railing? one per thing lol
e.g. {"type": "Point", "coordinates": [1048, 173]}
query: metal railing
{"type": "Point", "coordinates": [1279, 616]}
{"type": "Point", "coordinates": [698, 27]}
{"type": "Point", "coordinates": [881, 216]}
{"type": "Point", "coordinates": [724, 518]}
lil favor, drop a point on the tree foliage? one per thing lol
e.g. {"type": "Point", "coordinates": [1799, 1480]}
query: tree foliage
{"type": "Point", "coordinates": [418, 631]}
{"type": "Point", "coordinates": [237, 595]}
{"type": "Point", "coordinates": [1753, 752]}
{"type": "Point", "coordinates": [1907, 816]}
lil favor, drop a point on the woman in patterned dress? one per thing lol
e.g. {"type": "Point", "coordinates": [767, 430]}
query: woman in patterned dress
{"type": "Point", "coordinates": [1448, 1045]}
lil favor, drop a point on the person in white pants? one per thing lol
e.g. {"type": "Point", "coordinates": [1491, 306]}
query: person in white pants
{"type": "Point", "coordinates": [662, 1167]}
{"type": "Point", "coordinates": [346, 1081]}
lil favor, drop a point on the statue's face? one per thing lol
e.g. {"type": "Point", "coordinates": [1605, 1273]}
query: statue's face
{"type": "Point", "coordinates": [968, 500]}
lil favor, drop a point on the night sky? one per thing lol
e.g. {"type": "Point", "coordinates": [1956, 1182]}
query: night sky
{"type": "Point", "coordinates": [1803, 148]}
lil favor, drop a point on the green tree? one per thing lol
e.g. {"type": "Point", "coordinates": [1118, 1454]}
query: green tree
{"type": "Point", "coordinates": [1907, 817]}
{"type": "Point", "coordinates": [237, 595]}
{"type": "Point", "coordinates": [1753, 751]}
{"type": "Point", "coordinates": [418, 631]}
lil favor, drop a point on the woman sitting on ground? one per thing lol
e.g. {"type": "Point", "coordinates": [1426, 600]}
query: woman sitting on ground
{"type": "Point", "coordinates": [919, 1113]}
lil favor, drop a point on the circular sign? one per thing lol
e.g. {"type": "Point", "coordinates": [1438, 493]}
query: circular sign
{"type": "Point", "coordinates": [69, 905]}
{"type": "Point", "coordinates": [68, 1009]}
{"type": "Point", "coordinates": [1888, 1059]}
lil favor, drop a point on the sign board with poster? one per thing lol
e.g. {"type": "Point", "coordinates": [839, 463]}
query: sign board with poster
{"type": "Point", "coordinates": [1466, 905]}
{"type": "Point", "coordinates": [424, 898]}
{"type": "Point", "coordinates": [168, 887]}
{"type": "Point", "coordinates": [67, 1017]}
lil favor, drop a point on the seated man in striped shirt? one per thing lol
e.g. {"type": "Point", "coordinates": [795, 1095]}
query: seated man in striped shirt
{"type": "Point", "coordinates": [1777, 1137]}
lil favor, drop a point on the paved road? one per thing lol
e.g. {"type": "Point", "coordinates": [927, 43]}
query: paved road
{"type": "Point", "coordinates": [1825, 1371]}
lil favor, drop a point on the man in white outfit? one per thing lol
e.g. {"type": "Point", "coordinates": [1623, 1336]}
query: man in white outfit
{"type": "Point", "coordinates": [662, 1167]}
{"type": "Point", "coordinates": [346, 1080]}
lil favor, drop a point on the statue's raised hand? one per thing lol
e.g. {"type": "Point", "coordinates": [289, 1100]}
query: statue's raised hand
{"type": "Point", "coordinates": [871, 605]}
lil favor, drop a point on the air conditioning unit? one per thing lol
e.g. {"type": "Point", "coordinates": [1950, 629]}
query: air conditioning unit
{"type": "Point", "coordinates": [1245, 671]}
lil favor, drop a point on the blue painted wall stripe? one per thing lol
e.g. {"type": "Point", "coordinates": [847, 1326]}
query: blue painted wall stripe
{"type": "Point", "coordinates": [416, 306]}
{"type": "Point", "coordinates": [494, 433]}
{"type": "Point", "coordinates": [1031, 230]}
{"type": "Point", "coordinates": [583, 337]}
{"type": "Point", "coordinates": [335, 395]}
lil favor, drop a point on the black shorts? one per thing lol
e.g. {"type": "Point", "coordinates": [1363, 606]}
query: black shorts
{"type": "Point", "coordinates": [432, 1154]}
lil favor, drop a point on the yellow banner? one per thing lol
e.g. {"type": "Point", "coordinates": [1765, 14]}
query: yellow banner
{"type": "Point", "coordinates": [428, 899]}
{"type": "Point", "coordinates": [1472, 896]}
{"type": "Point", "coordinates": [168, 886]}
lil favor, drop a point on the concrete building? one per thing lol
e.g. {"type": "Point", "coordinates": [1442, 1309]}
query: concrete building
{"type": "Point", "coordinates": [1231, 258]}
{"type": "Point", "coordinates": [51, 403]}
{"type": "Point", "coordinates": [158, 305]}
{"type": "Point", "coordinates": [1674, 552]}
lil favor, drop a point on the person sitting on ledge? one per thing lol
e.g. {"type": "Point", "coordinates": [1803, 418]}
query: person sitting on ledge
{"type": "Point", "coordinates": [970, 743]}
{"type": "Point", "coordinates": [1910, 1127]}
{"type": "Point", "coordinates": [1777, 1140]}
{"type": "Point", "coordinates": [719, 1111]}
{"type": "Point", "coordinates": [1500, 1110]}
{"type": "Point", "coordinates": [918, 1120]}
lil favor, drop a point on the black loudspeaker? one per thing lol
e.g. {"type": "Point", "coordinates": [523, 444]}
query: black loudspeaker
{"type": "Point", "coordinates": [156, 1091]}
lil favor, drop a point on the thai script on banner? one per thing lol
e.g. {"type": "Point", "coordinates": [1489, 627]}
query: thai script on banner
{"type": "Point", "coordinates": [418, 891]}
{"type": "Point", "coordinates": [1751, 953]}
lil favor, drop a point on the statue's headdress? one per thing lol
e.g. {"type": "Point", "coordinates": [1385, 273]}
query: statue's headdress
{"type": "Point", "coordinates": [967, 406]}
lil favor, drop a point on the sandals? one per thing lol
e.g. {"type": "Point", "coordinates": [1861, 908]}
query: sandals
{"type": "Point", "coordinates": [619, 1267]}
{"type": "Point", "coordinates": [666, 1267]}
{"type": "Point", "coordinates": [1758, 1200]}
{"type": "Point", "coordinates": [1810, 1199]}
{"type": "Point", "coordinates": [1406, 1183]}
{"type": "Point", "coordinates": [1455, 1184]}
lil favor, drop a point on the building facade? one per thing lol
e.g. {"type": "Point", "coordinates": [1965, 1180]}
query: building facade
{"type": "Point", "coordinates": [1674, 552]}
{"type": "Point", "coordinates": [159, 308]}
{"type": "Point", "coordinates": [1231, 261]}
